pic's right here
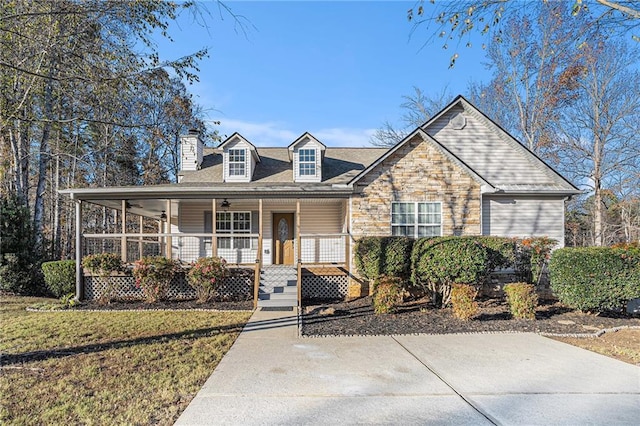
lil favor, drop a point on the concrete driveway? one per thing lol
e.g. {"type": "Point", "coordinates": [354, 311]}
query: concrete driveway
{"type": "Point", "coordinates": [271, 376]}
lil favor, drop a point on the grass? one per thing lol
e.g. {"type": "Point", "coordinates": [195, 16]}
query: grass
{"type": "Point", "coordinates": [92, 368]}
{"type": "Point", "coordinates": [623, 345]}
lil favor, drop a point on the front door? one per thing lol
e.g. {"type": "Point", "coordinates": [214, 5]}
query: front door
{"type": "Point", "coordinates": [283, 239]}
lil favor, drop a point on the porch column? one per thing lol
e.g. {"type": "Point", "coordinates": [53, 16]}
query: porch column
{"type": "Point", "coordinates": [214, 239]}
{"type": "Point", "coordinates": [299, 250]}
{"type": "Point", "coordinates": [169, 249]}
{"type": "Point", "coordinates": [298, 245]}
{"type": "Point", "coordinates": [347, 237]}
{"type": "Point", "coordinates": [160, 238]}
{"type": "Point", "coordinates": [140, 238]}
{"type": "Point", "coordinates": [123, 229]}
{"type": "Point", "coordinates": [79, 287]}
{"type": "Point", "coordinates": [260, 230]}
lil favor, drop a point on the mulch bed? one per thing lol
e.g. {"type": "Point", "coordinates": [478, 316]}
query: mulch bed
{"type": "Point", "coordinates": [356, 317]}
{"type": "Point", "coordinates": [137, 305]}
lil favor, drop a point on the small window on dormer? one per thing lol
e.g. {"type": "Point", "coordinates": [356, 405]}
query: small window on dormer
{"type": "Point", "coordinates": [237, 162]}
{"type": "Point", "coordinates": [307, 162]}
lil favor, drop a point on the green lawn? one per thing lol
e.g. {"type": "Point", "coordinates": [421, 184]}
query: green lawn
{"type": "Point", "coordinates": [76, 367]}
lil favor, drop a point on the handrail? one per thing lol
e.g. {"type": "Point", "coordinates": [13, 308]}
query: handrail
{"type": "Point", "coordinates": [169, 234]}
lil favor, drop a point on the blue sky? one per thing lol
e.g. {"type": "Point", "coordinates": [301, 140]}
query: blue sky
{"type": "Point", "coordinates": [336, 69]}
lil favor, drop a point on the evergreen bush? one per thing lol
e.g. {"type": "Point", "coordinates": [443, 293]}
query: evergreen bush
{"type": "Point", "coordinates": [60, 277]}
{"type": "Point", "coordinates": [463, 301]}
{"type": "Point", "coordinates": [595, 278]}
{"type": "Point", "coordinates": [387, 294]}
{"type": "Point", "coordinates": [19, 256]}
{"type": "Point", "coordinates": [522, 299]}
{"type": "Point", "coordinates": [377, 256]}
{"type": "Point", "coordinates": [439, 262]}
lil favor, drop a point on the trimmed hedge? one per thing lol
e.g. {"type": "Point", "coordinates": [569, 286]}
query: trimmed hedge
{"type": "Point", "coordinates": [387, 294]}
{"type": "Point", "coordinates": [522, 299]}
{"type": "Point", "coordinates": [378, 256]}
{"type": "Point", "coordinates": [595, 278]}
{"type": "Point", "coordinates": [60, 277]}
{"type": "Point", "coordinates": [439, 262]}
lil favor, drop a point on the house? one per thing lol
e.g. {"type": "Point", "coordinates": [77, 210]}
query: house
{"type": "Point", "coordinates": [292, 214]}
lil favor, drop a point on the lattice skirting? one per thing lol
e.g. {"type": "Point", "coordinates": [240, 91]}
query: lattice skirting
{"type": "Point", "coordinates": [237, 286]}
{"type": "Point", "coordinates": [324, 286]}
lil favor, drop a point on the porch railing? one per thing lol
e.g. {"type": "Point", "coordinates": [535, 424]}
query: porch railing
{"type": "Point", "coordinates": [235, 249]}
{"type": "Point", "coordinates": [187, 247]}
{"type": "Point", "coordinates": [324, 248]}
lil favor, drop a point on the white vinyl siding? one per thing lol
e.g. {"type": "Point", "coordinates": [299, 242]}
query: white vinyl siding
{"type": "Point", "coordinates": [416, 219]}
{"type": "Point", "coordinates": [239, 161]}
{"type": "Point", "coordinates": [191, 152]}
{"type": "Point", "coordinates": [503, 162]}
{"type": "Point", "coordinates": [307, 164]}
{"type": "Point", "coordinates": [523, 217]}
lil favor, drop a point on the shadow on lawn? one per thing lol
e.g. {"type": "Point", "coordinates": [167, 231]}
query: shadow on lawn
{"type": "Point", "coordinates": [26, 357]}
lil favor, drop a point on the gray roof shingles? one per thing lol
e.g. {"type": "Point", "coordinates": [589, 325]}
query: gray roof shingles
{"type": "Point", "coordinates": [339, 166]}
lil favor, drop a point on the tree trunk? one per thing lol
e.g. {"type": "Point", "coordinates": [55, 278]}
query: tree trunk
{"type": "Point", "coordinates": [43, 165]}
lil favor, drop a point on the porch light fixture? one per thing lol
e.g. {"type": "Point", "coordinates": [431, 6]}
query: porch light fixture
{"type": "Point", "coordinates": [225, 204]}
{"type": "Point", "coordinates": [163, 216]}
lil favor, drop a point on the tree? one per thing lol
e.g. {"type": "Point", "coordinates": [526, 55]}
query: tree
{"type": "Point", "coordinates": [69, 71]}
{"type": "Point", "coordinates": [454, 21]}
{"type": "Point", "coordinates": [597, 138]}
{"type": "Point", "coordinates": [417, 109]}
{"type": "Point", "coordinates": [534, 73]}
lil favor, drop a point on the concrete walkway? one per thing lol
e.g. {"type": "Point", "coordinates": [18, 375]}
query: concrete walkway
{"type": "Point", "coordinates": [270, 376]}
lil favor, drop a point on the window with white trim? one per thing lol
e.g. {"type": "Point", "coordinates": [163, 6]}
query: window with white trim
{"type": "Point", "coordinates": [237, 162]}
{"type": "Point", "coordinates": [306, 162]}
{"type": "Point", "coordinates": [416, 219]}
{"type": "Point", "coordinates": [233, 223]}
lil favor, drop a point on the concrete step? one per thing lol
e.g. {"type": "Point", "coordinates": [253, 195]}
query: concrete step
{"type": "Point", "coordinates": [278, 303]}
{"type": "Point", "coordinates": [278, 290]}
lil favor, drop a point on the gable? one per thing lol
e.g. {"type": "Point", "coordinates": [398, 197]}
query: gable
{"type": "Point", "coordinates": [491, 152]}
{"type": "Point", "coordinates": [422, 136]}
{"type": "Point", "coordinates": [416, 171]}
{"type": "Point", "coordinates": [418, 163]}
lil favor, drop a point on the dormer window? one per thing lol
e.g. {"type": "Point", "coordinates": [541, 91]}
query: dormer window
{"type": "Point", "coordinates": [239, 157]}
{"type": "Point", "coordinates": [307, 162]}
{"type": "Point", "coordinates": [237, 162]}
{"type": "Point", "coordinates": [307, 153]}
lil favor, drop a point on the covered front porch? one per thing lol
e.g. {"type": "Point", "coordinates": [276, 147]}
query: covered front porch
{"type": "Point", "coordinates": [310, 234]}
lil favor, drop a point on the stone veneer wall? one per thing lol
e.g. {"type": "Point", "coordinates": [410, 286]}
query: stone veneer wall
{"type": "Point", "coordinates": [418, 171]}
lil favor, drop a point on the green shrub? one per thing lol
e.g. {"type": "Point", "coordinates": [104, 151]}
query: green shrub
{"type": "Point", "coordinates": [522, 299]}
{"type": "Point", "coordinates": [19, 254]}
{"type": "Point", "coordinates": [103, 264]}
{"type": "Point", "coordinates": [439, 262]}
{"type": "Point", "coordinates": [377, 256]}
{"type": "Point", "coordinates": [387, 294]}
{"type": "Point", "coordinates": [502, 251]}
{"type": "Point", "coordinates": [463, 301]}
{"type": "Point", "coordinates": [396, 256]}
{"type": "Point", "coordinates": [595, 278]}
{"type": "Point", "coordinates": [60, 276]}
{"type": "Point", "coordinates": [205, 276]}
{"type": "Point", "coordinates": [368, 257]}
{"type": "Point", "coordinates": [153, 275]}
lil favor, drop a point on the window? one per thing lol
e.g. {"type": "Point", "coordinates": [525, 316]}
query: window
{"type": "Point", "coordinates": [307, 162]}
{"type": "Point", "coordinates": [236, 162]}
{"type": "Point", "coordinates": [233, 223]}
{"type": "Point", "coordinates": [416, 219]}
